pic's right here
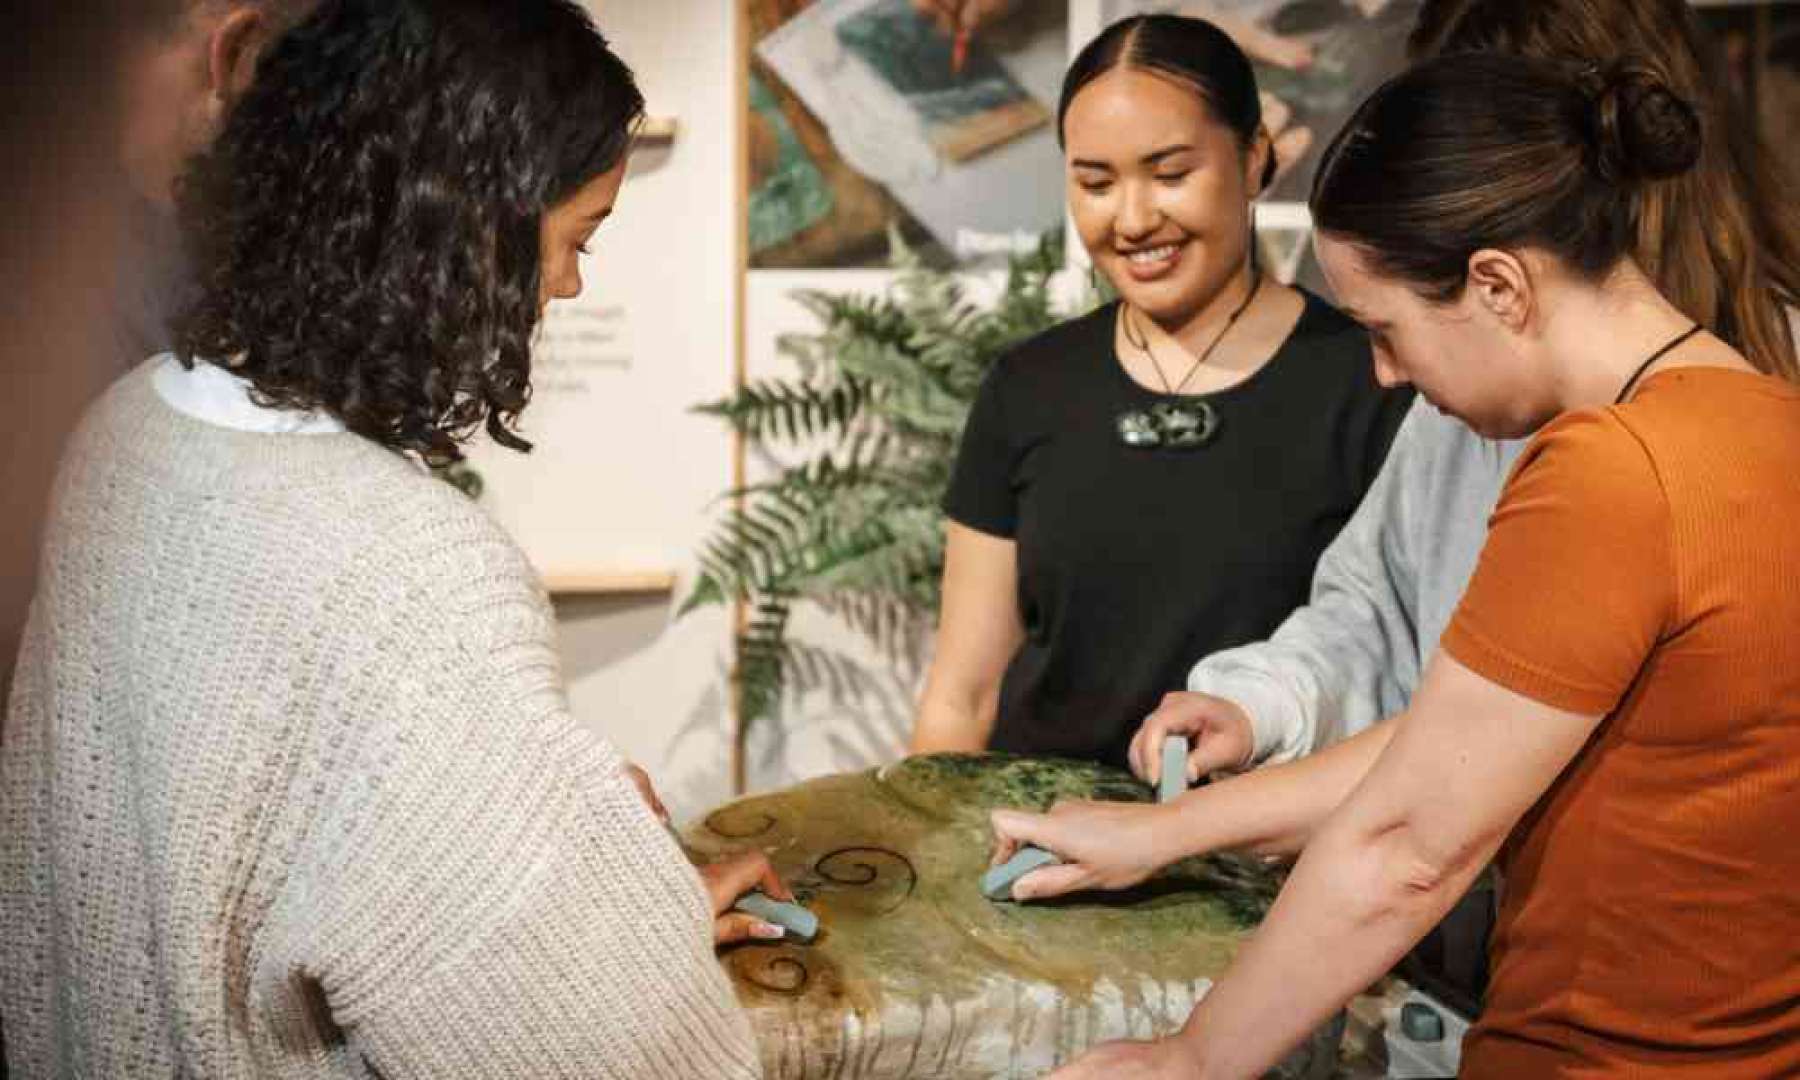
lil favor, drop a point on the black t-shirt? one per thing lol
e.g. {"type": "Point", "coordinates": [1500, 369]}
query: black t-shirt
{"type": "Point", "coordinates": [1133, 563]}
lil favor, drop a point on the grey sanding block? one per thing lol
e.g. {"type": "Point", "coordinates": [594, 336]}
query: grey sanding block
{"type": "Point", "coordinates": [1173, 783]}
{"type": "Point", "coordinates": [801, 924]}
{"type": "Point", "coordinates": [997, 883]}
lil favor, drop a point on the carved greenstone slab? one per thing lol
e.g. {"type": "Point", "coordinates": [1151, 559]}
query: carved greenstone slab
{"type": "Point", "coordinates": [916, 974]}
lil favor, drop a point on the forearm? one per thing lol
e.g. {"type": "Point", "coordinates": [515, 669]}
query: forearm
{"type": "Point", "coordinates": [1453, 780]}
{"type": "Point", "coordinates": [978, 633]}
{"type": "Point", "coordinates": [1275, 810]}
{"type": "Point", "coordinates": [1359, 898]}
{"type": "Point", "coordinates": [1457, 772]}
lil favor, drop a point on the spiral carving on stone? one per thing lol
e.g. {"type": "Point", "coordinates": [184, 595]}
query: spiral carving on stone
{"type": "Point", "coordinates": [863, 867]}
{"type": "Point", "coordinates": [720, 823]}
{"type": "Point", "coordinates": [773, 970]}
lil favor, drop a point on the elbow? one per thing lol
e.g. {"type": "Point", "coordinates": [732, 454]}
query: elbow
{"type": "Point", "coordinates": [1418, 876]}
{"type": "Point", "coordinates": [954, 718]}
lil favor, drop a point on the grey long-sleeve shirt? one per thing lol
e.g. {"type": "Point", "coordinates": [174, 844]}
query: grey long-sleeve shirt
{"type": "Point", "coordinates": [1381, 597]}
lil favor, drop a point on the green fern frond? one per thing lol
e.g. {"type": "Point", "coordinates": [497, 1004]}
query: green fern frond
{"type": "Point", "coordinates": [762, 656]}
{"type": "Point", "coordinates": [793, 411]}
{"type": "Point", "coordinates": [883, 389]}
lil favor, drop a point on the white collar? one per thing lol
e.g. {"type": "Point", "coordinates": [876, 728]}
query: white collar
{"type": "Point", "coordinates": [213, 395]}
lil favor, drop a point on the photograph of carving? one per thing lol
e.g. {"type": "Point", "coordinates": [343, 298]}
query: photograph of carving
{"type": "Point", "coordinates": [866, 115]}
{"type": "Point", "coordinates": [967, 102]}
{"type": "Point", "coordinates": [788, 193]}
{"type": "Point", "coordinates": [1315, 61]}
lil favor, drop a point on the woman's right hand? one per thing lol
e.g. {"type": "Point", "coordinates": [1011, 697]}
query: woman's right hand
{"type": "Point", "coordinates": [1218, 733]}
{"type": "Point", "coordinates": [726, 881]}
{"type": "Point", "coordinates": [1102, 845]}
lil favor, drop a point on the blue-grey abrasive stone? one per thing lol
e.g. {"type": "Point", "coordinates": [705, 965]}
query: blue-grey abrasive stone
{"type": "Point", "coordinates": [801, 924]}
{"type": "Point", "coordinates": [1173, 783]}
{"type": "Point", "coordinates": [997, 883]}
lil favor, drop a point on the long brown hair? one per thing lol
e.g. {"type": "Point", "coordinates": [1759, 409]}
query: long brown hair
{"type": "Point", "coordinates": [1723, 240]}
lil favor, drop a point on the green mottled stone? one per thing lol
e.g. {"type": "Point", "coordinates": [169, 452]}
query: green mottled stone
{"type": "Point", "coordinates": [916, 974]}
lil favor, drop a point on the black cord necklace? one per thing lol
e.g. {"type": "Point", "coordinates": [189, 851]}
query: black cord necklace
{"type": "Point", "coordinates": [1625, 392]}
{"type": "Point", "coordinates": [1175, 425]}
{"type": "Point", "coordinates": [1141, 342]}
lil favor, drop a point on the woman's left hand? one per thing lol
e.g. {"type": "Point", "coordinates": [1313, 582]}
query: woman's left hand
{"type": "Point", "coordinates": [1161, 1059]}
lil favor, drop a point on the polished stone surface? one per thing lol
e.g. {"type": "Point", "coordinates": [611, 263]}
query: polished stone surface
{"type": "Point", "coordinates": [916, 974]}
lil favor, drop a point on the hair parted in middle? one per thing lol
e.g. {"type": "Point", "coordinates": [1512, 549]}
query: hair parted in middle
{"type": "Point", "coordinates": [1190, 51]}
{"type": "Point", "coordinates": [1491, 150]}
{"type": "Point", "coordinates": [365, 231]}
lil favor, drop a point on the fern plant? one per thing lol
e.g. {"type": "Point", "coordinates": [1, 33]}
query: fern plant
{"type": "Point", "coordinates": [871, 423]}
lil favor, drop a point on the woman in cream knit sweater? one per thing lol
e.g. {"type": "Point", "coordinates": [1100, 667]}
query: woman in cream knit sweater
{"type": "Point", "coordinates": [291, 788]}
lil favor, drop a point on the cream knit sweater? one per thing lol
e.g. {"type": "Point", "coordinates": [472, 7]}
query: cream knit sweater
{"type": "Point", "coordinates": [290, 789]}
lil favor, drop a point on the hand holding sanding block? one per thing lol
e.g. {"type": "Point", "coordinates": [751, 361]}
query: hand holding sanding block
{"type": "Point", "coordinates": [800, 924]}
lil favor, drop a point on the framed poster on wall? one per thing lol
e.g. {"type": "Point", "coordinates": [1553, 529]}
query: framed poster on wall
{"type": "Point", "coordinates": [1315, 60]}
{"type": "Point", "coordinates": [866, 114]}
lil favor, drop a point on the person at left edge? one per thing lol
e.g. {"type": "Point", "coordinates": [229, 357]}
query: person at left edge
{"type": "Point", "coordinates": [291, 786]}
{"type": "Point", "coordinates": [1155, 480]}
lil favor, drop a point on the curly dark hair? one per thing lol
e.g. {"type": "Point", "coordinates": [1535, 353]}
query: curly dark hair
{"type": "Point", "coordinates": [365, 231]}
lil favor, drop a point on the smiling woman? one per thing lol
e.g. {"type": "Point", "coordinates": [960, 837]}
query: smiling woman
{"type": "Point", "coordinates": [1155, 480]}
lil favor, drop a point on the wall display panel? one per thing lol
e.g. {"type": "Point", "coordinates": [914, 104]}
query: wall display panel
{"type": "Point", "coordinates": [859, 120]}
{"type": "Point", "coordinates": [863, 115]}
{"type": "Point", "coordinates": [1316, 60]}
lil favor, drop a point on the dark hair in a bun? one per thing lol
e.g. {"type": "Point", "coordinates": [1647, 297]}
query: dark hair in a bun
{"type": "Point", "coordinates": [1722, 240]}
{"type": "Point", "coordinates": [1641, 130]}
{"type": "Point", "coordinates": [1488, 150]}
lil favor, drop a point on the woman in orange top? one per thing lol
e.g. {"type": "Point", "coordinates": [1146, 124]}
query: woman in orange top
{"type": "Point", "coordinates": [1615, 708]}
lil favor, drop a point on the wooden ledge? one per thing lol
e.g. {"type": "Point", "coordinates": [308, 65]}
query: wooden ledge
{"type": "Point", "coordinates": [608, 582]}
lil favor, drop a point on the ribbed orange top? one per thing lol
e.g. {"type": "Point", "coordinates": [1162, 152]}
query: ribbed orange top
{"type": "Point", "coordinates": [1644, 565]}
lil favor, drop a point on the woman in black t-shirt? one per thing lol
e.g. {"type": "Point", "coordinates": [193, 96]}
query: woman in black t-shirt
{"type": "Point", "coordinates": [1152, 482]}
